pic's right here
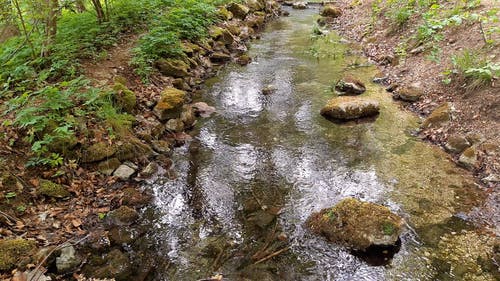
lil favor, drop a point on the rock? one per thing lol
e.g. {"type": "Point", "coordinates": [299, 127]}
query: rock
{"type": "Point", "coordinates": [220, 57]}
{"type": "Point", "coordinates": [202, 109]}
{"type": "Point", "coordinates": [255, 21]}
{"type": "Point", "coordinates": [124, 172]}
{"type": "Point", "coordinates": [331, 11]}
{"type": "Point", "coordinates": [261, 218]}
{"type": "Point", "coordinates": [492, 178]}
{"type": "Point", "coordinates": [269, 89]}
{"type": "Point", "coordinates": [121, 235]}
{"type": "Point", "coordinates": [255, 5]}
{"type": "Point", "coordinates": [173, 68]}
{"type": "Point", "coordinates": [350, 86]}
{"type": "Point", "coordinates": [456, 144]}
{"type": "Point", "coordinates": [98, 152]}
{"type": "Point", "coordinates": [161, 146]}
{"type": "Point", "coordinates": [239, 11]}
{"type": "Point", "coordinates": [124, 98]}
{"type": "Point", "coordinates": [357, 224]}
{"type": "Point", "coordinates": [468, 159]}
{"type": "Point", "coordinates": [67, 260]}
{"type": "Point", "coordinates": [134, 197]}
{"type": "Point", "coordinates": [175, 125]}
{"type": "Point", "coordinates": [244, 59]}
{"type": "Point", "coordinates": [170, 104]}
{"type": "Point", "coordinates": [439, 116]}
{"type": "Point", "coordinates": [225, 14]}
{"type": "Point", "coordinates": [221, 34]}
{"type": "Point", "coordinates": [409, 94]}
{"type": "Point", "coordinates": [474, 138]}
{"type": "Point", "coordinates": [52, 189]}
{"type": "Point", "coordinates": [188, 117]}
{"type": "Point", "coordinates": [107, 167]}
{"type": "Point", "coordinates": [348, 108]}
{"type": "Point", "coordinates": [133, 149]}
{"type": "Point", "coordinates": [12, 251]}
{"type": "Point", "coordinates": [285, 13]}
{"type": "Point", "coordinates": [180, 84]}
{"type": "Point", "coordinates": [122, 216]}
{"type": "Point", "coordinates": [117, 265]}
{"type": "Point", "coordinates": [299, 5]}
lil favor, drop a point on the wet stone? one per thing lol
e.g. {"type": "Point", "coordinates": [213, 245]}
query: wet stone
{"type": "Point", "coordinates": [122, 216]}
{"type": "Point", "coordinates": [348, 108]}
{"type": "Point", "coordinates": [350, 86]}
{"type": "Point", "coordinates": [124, 172]}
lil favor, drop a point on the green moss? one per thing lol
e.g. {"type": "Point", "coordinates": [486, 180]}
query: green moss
{"type": "Point", "coordinates": [12, 251]}
{"type": "Point", "coordinates": [124, 98]}
{"type": "Point", "coordinates": [97, 152]}
{"type": "Point", "coordinates": [440, 115]}
{"type": "Point", "coordinates": [52, 189]}
{"type": "Point", "coordinates": [133, 149]}
{"type": "Point", "coordinates": [170, 104]}
{"type": "Point", "coordinates": [388, 228]}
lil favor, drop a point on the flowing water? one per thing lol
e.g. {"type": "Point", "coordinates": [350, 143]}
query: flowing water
{"type": "Point", "coordinates": [257, 169]}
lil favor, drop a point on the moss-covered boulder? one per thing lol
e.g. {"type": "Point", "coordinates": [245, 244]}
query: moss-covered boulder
{"type": "Point", "coordinates": [224, 14]}
{"type": "Point", "coordinates": [98, 152]}
{"type": "Point", "coordinates": [135, 197]}
{"type": "Point", "coordinates": [255, 5]}
{"type": "Point", "coordinates": [124, 98]}
{"type": "Point", "coordinates": [220, 57]}
{"type": "Point", "coordinates": [350, 86]}
{"type": "Point", "coordinates": [122, 216]}
{"type": "Point", "coordinates": [357, 224]}
{"type": "Point", "coordinates": [409, 94]}
{"type": "Point", "coordinates": [439, 116]}
{"type": "Point", "coordinates": [132, 149]}
{"type": "Point", "coordinates": [349, 108]}
{"type": "Point", "coordinates": [107, 167]}
{"type": "Point", "coordinates": [52, 189]}
{"type": "Point", "coordinates": [239, 11]}
{"type": "Point", "coordinates": [170, 104]}
{"type": "Point", "coordinates": [469, 158]}
{"type": "Point", "coordinates": [13, 251]}
{"type": "Point", "coordinates": [456, 144]}
{"type": "Point", "coordinates": [244, 59]}
{"type": "Point", "coordinates": [330, 11]}
{"type": "Point", "coordinates": [173, 68]}
{"type": "Point", "coordinates": [115, 264]}
{"type": "Point", "coordinates": [223, 35]}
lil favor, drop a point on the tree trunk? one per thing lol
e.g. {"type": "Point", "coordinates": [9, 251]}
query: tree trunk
{"type": "Point", "coordinates": [80, 6]}
{"type": "Point", "coordinates": [8, 25]}
{"type": "Point", "coordinates": [51, 23]}
{"type": "Point", "coordinates": [101, 16]}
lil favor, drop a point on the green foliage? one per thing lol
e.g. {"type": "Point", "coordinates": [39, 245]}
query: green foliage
{"type": "Point", "coordinates": [476, 70]}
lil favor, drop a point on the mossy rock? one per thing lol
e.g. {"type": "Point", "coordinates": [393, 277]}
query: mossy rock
{"type": "Point", "coordinates": [221, 34]}
{"type": "Point", "coordinates": [98, 152]}
{"type": "Point", "coordinates": [9, 182]}
{"type": "Point", "coordinates": [349, 108]}
{"type": "Point", "coordinates": [331, 11]}
{"type": "Point", "coordinates": [173, 68]}
{"type": "Point", "coordinates": [457, 144]}
{"type": "Point", "coordinates": [107, 167]}
{"type": "Point", "coordinates": [170, 104]}
{"type": "Point", "coordinates": [469, 158]}
{"type": "Point", "coordinates": [357, 224]}
{"type": "Point", "coordinates": [116, 265]}
{"type": "Point", "coordinates": [52, 189]}
{"type": "Point", "coordinates": [220, 57]}
{"type": "Point", "coordinates": [238, 10]}
{"type": "Point", "coordinates": [134, 197]}
{"type": "Point", "coordinates": [13, 251]}
{"type": "Point", "coordinates": [409, 94]}
{"type": "Point", "coordinates": [439, 116]}
{"type": "Point", "coordinates": [122, 216]}
{"type": "Point", "coordinates": [224, 13]}
{"type": "Point", "coordinates": [133, 149]}
{"type": "Point", "coordinates": [255, 5]}
{"type": "Point", "coordinates": [124, 98]}
{"type": "Point", "coordinates": [244, 59]}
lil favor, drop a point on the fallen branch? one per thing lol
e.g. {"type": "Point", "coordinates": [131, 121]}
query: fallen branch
{"type": "Point", "coordinates": [273, 255]}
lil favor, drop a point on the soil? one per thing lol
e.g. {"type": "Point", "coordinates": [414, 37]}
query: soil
{"type": "Point", "coordinates": [477, 111]}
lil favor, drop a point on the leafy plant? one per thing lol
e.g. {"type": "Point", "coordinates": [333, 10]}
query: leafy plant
{"type": "Point", "coordinates": [476, 70]}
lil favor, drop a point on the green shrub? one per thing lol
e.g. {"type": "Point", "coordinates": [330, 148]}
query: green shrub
{"type": "Point", "coordinates": [478, 71]}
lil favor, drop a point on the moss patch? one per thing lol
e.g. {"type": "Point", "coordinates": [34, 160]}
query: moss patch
{"type": "Point", "coordinates": [98, 152]}
{"type": "Point", "coordinates": [13, 251]}
{"type": "Point", "coordinates": [124, 98]}
{"type": "Point", "coordinates": [170, 104]}
{"type": "Point", "coordinates": [52, 189]}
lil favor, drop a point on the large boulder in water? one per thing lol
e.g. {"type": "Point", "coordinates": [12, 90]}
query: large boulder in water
{"type": "Point", "coordinates": [349, 108]}
{"type": "Point", "coordinates": [357, 224]}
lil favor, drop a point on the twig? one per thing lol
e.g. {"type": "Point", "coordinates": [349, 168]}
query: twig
{"type": "Point", "coordinates": [9, 217]}
{"type": "Point", "coordinates": [272, 255]}
{"type": "Point", "coordinates": [482, 32]}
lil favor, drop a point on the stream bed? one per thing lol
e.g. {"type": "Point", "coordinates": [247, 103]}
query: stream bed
{"type": "Point", "coordinates": [254, 172]}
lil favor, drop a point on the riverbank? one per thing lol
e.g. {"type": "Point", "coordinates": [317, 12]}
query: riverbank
{"type": "Point", "coordinates": [92, 190]}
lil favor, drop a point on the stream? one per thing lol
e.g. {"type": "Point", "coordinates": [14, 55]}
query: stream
{"type": "Point", "coordinates": [255, 171]}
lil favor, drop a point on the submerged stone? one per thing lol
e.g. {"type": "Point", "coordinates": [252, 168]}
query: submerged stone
{"type": "Point", "coordinates": [357, 224]}
{"type": "Point", "coordinates": [269, 89]}
{"type": "Point", "coordinates": [349, 108]}
{"type": "Point", "coordinates": [350, 86]}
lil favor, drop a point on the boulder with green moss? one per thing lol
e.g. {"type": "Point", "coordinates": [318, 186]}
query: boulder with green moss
{"type": "Point", "coordinates": [52, 189]}
{"type": "Point", "coordinates": [98, 152]}
{"type": "Point", "coordinates": [132, 149]}
{"type": "Point", "coordinates": [107, 167]}
{"type": "Point", "coordinates": [124, 98]}
{"type": "Point", "coordinates": [13, 251]}
{"type": "Point", "coordinates": [349, 108]}
{"type": "Point", "coordinates": [115, 264]}
{"type": "Point", "coordinates": [221, 34]}
{"type": "Point", "coordinates": [357, 224]}
{"type": "Point", "coordinates": [442, 114]}
{"type": "Point", "coordinates": [173, 68]}
{"type": "Point", "coordinates": [170, 104]}
{"type": "Point", "coordinates": [224, 13]}
{"type": "Point", "coordinates": [330, 11]}
{"type": "Point", "coordinates": [409, 94]}
{"type": "Point", "coordinates": [255, 5]}
{"type": "Point", "coordinates": [239, 11]}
